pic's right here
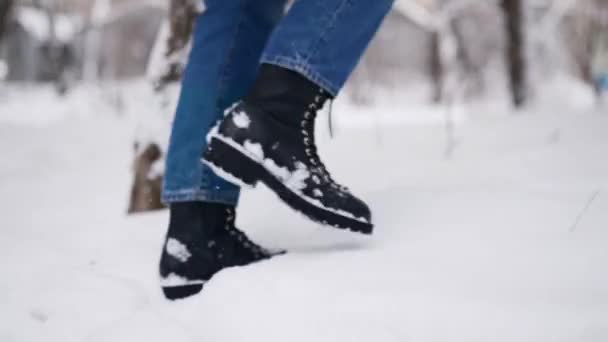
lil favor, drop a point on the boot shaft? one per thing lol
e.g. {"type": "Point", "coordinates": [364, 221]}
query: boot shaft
{"type": "Point", "coordinates": [286, 95]}
{"type": "Point", "coordinates": [199, 218]}
{"type": "Point", "coordinates": [201, 241]}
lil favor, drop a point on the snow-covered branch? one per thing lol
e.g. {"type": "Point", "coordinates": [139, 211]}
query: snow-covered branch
{"type": "Point", "coordinates": [418, 14]}
{"type": "Point", "coordinates": [436, 18]}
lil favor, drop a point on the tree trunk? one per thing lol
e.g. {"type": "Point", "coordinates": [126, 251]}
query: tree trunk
{"type": "Point", "coordinates": [515, 56]}
{"type": "Point", "coordinates": [92, 40]}
{"type": "Point", "coordinates": [436, 69]}
{"type": "Point", "coordinates": [146, 186]}
{"type": "Point", "coordinates": [5, 9]}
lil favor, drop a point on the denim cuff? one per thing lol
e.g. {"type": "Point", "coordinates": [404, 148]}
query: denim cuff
{"type": "Point", "coordinates": [190, 195]}
{"type": "Point", "coordinates": [302, 68]}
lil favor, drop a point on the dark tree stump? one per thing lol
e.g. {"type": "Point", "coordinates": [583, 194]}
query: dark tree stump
{"type": "Point", "coordinates": [146, 188]}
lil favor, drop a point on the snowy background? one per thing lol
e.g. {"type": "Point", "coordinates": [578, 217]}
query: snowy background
{"type": "Point", "coordinates": [491, 222]}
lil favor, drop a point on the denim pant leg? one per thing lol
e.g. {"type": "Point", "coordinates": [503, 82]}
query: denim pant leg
{"type": "Point", "coordinates": [324, 39]}
{"type": "Point", "coordinates": [228, 39]}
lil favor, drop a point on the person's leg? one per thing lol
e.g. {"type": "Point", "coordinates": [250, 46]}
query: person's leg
{"type": "Point", "coordinates": [202, 239]}
{"type": "Point", "coordinates": [323, 40]}
{"type": "Point", "coordinates": [228, 39]}
{"type": "Point", "coordinates": [269, 136]}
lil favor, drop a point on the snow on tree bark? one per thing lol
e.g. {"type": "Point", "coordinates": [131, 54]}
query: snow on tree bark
{"type": "Point", "coordinates": [182, 14]}
{"type": "Point", "coordinates": [580, 26]}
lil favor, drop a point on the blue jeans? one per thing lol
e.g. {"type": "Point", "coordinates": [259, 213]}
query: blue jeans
{"type": "Point", "coordinates": [602, 82]}
{"type": "Point", "coordinates": [321, 39]}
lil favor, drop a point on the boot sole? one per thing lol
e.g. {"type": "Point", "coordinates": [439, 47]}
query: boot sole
{"type": "Point", "coordinates": [187, 288]}
{"type": "Point", "coordinates": [181, 292]}
{"type": "Point", "coordinates": [238, 167]}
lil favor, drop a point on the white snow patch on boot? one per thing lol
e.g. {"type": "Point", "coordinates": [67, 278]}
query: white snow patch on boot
{"type": "Point", "coordinates": [177, 250]}
{"type": "Point", "coordinates": [175, 280]}
{"type": "Point", "coordinates": [282, 173]}
{"type": "Point", "coordinates": [317, 193]}
{"type": "Point", "coordinates": [230, 109]}
{"type": "Point", "coordinates": [296, 184]}
{"type": "Point", "coordinates": [255, 149]}
{"type": "Point", "coordinates": [297, 179]}
{"type": "Point", "coordinates": [241, 119]}
{"type": "Point", "coordinates": [213, 131]}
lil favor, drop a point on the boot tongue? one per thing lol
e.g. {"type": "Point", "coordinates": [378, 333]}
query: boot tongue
{"type": "Point", "coordinates": [283, 93]}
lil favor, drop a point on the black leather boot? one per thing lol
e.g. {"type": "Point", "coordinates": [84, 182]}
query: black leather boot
{"type": "Point", "coordinates": [201, 241]}
{"type": "Point", "coordinates": [269, 137]}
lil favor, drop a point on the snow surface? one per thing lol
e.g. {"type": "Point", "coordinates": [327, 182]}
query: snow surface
{"type": "Point", "coordinates": [504, 239]}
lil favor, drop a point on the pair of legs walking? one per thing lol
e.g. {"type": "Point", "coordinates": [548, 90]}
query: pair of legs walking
{"type": "Point", "coordinates": [283, 67]}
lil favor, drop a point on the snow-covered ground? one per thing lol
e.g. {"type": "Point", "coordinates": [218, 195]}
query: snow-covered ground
{"type": "Point", "coordinates": [504, 238]}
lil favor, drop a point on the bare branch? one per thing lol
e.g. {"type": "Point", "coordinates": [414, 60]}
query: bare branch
{"type": "Point", "coordinates": [582, 213]}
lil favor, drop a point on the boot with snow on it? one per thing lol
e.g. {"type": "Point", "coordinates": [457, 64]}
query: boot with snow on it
{"type": "Point", "coordinates": [269, 137]}
{"type": "Point", "coordinates": [201, 241]}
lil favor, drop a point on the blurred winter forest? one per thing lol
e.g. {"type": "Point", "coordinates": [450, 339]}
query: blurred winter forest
{"type": "Point", "coordinates": [440, 51]}
{"type": "Point", "coordinates": [476, 130]}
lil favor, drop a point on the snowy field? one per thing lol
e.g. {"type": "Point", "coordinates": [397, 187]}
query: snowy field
{"type": "Point", "coordinates": [502, 237]}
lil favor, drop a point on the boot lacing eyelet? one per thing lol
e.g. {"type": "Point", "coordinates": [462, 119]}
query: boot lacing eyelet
{"type": "Point", "coordinates": [307, 131]}
{"type": "Point", "coordinates": [240, 236]}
